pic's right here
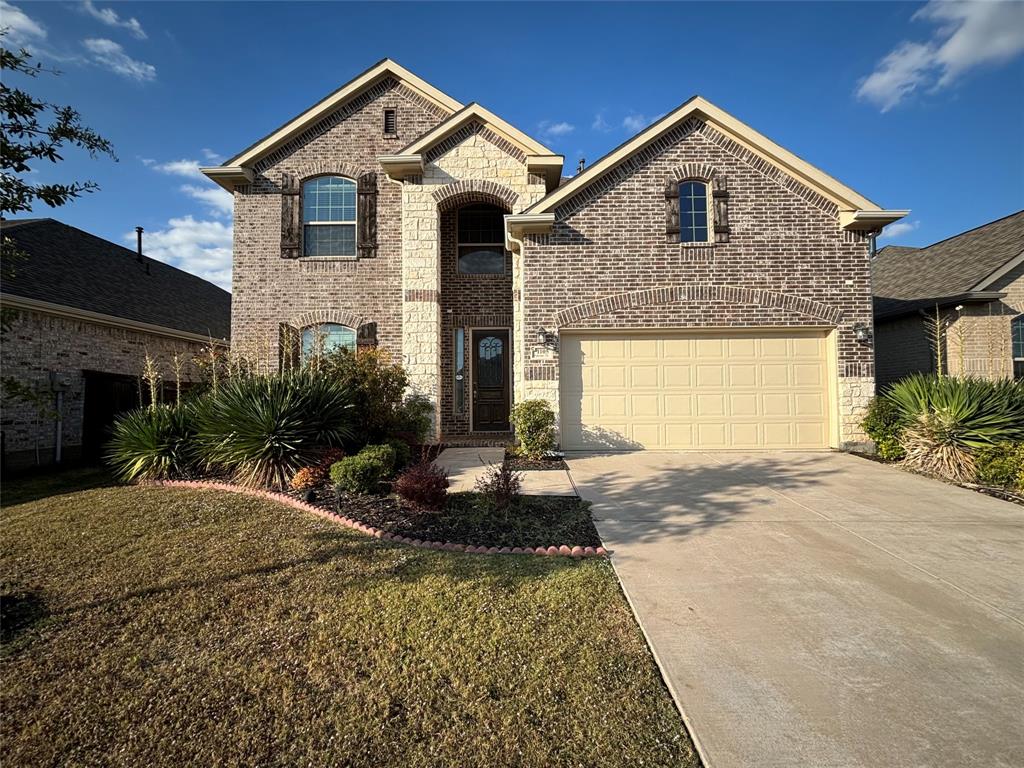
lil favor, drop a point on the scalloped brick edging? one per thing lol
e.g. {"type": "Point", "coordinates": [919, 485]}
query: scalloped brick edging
{"type": "Point", "coordinates": [553, 551]}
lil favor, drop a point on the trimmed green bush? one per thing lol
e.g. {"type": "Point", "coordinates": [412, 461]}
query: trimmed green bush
{"type": "Point", "coordinates": [264, 428]}
{"type": "Point", "coordinates": [364, 472]}
{"type": "Point", "coordinates": [377, 385]}
{"type": "Point", "coordinates": [1000, 465]}
{"type": "Point", "coordinates": [883, 424]}
{"type": "Point", "coordinates": [414, 419]}
{"type": "Point", "coordinates": [403, 453]}
{"type": "Point", "coordinates": [945, 419]}
{"type": "Point", "coordinates": [534, 424]}
{"type": "Point", "coordinates": [155, 443]}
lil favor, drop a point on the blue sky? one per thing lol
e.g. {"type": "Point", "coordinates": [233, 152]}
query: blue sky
{"type": "Point", "coordinates": [914, 105]}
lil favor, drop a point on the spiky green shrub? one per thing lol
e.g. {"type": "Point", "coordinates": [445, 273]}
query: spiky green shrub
{"type": "Point", "coordinates": [155, 443]}
{"type": "Point", "coordinates": [883, 424]}
{"type": "Point", "coordinates": [263, 428]}
{"type": "Point", "coordinates": [534, 425]}
{"type": "Point", "coordinates": [946, 419]}
{"type": "Point", "coordinates": [1000, 465]}
{"type": "Point", "coordinates": [364, 472]}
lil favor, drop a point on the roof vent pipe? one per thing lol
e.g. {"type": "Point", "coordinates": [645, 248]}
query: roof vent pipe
{"type": "Point", "coordinates": [138, 233]}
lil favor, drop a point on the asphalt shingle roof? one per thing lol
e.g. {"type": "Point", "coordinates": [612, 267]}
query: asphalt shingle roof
{"type": "Point", "coordinates": [903, 277]}
{"type": "Point", "coordinates": [71, 267]}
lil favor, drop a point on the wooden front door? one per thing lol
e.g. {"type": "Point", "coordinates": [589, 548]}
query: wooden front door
{"type": "Point", "coordinates": [492, 362]}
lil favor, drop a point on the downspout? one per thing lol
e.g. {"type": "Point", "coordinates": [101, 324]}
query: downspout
{"type": "Point", "coordinates": [59, 436]}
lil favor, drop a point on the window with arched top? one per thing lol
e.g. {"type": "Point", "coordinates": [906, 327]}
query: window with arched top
{"type": "Point", "coordinates": [326, 338]}
{"type": "Point", "coordinates": [693, 212]}
{"type": "Point", "coordinates": [329, 216]}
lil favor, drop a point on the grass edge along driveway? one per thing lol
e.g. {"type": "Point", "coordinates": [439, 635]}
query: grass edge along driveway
{"type": "Point", "coordinates": [165, 626]}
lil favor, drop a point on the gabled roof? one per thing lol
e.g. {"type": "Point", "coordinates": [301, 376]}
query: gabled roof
{"type": "Point", "coordinates": [539, 159]}
{"type": "Point", "coordinates": [856, 211]}
{"type": "Point", "coordinates": [347, 92]}
{"type": "Point", "coordinates": [957, 267]}
{"type": "Point", "coordinates": [469, 113]}
{"type": "Point", "coordinates": [69, 267]}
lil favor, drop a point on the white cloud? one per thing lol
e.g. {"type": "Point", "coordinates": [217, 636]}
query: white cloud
{"type": "Point", "coordinates": [219, 201]}
{"type": "Point", "coordinates": [209, 154]}
{"type": "Point", "coordinates": [635, 123]}
{"type": "Point", "coordinates": [200, 247]}
{"type": "Point", "coordinates": [899, 229]}
{"type": "Point", "coordinates": [600, 124]}
{"type": "Point", "coordinates": [553, 129]}
{"type": "Point", "coordinates": [968, 35]}
{"type": "Point", "coordinates": [111, 55]}
{"type": "Point", "coordinates": [109, 17]}
{"type": "Point", "coordinates": [22, 30]}
{"type": "Point", "coordinates": [189, 168]}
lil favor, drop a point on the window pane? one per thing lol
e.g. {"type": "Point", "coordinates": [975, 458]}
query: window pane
{"type": "Point", "coordinates": [484, 260]}
{"type": "Point", "coordinates": [1017, 327]}
{"type": "Point", "coordinates": [490, 356]}
{"type": "Point", "coordinates": [460, 377]}
{"type": "Point", "coordinates": [693, 212]}
{"type": "Point", "coordinates": [326, 338]}
{"type": "Point", "coordinates": [329, 240]}
{"type": "Point", "coordinates": [481, 224]}
{"type": "Point", "coordinates": [329, 198]}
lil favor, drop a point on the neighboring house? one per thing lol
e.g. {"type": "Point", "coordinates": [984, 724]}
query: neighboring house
{"type": "Point", "coordinates": [967, 290]}
{"type": "Point", "coordinates": [83, 313]}
{"type": "Point", "coordinates": [698, 287]}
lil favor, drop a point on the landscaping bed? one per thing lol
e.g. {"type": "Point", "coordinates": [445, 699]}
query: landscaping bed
{"type": "Point", "coordinates": [167, 627]}
{"type": "Point", "coordinates": [531, 521]}
{"type": "Point", "coordinates": [522, 464]}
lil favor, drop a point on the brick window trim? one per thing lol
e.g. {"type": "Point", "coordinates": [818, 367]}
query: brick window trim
{"type": "Point", "coordinates": [718, 209]}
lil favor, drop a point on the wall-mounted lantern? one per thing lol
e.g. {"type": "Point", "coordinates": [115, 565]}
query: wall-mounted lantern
{"type": "Point", "coordinates": [862, 333]}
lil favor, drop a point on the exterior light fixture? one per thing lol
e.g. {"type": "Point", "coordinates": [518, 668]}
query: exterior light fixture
{"type": "Point", "coordinates": [862, 333]}
{"type": "Point", "coordinates": [546, 338]}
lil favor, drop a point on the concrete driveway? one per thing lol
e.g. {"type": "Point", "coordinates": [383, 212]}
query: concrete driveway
{"type": "Point", "coordinates": [818, 609]}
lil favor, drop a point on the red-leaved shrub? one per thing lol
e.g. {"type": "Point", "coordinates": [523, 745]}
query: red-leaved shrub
{"type": "Point", "coordinates": [424, 485]}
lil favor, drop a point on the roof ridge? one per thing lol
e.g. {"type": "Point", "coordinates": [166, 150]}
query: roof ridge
{"type": "Point", "coordinates": [972, 229]}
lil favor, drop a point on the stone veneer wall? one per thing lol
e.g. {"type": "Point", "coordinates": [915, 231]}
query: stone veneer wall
{"type": "Point", "coordinates": [39, 343]}
{"type": "Point", "coordinates": [473, 165]}
{"type": "Point", "coordinates": [786, 263]}
{"type": "Point", "coordinates": [268, 290]}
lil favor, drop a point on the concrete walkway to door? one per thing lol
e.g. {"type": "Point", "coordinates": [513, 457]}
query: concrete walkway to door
{"type": "Point", "coordinates": [819, 609]}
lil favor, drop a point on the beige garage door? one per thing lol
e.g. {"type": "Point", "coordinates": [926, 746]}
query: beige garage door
{"type": "Point", "coordinates": [707, 391]}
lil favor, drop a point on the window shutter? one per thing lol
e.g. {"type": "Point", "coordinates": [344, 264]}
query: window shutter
{"type": "Point", "coordinates": [291, 227]}
{"type": "Point", "coordinates": [288, 347]}
{"type": "Point", "coordinates": [720, 195]}
{"type": "Point", "coordinates": [672, 211]}
{"type": "Point", "coordinates": [366, 336]}
{"type": "Point", "coordinates": [367, 215]}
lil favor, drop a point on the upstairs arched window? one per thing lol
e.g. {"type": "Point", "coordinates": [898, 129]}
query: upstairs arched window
{"type": "Point", "coordinates": [329, 216]}
{"type": "Point", "coordinates": [693, 212]}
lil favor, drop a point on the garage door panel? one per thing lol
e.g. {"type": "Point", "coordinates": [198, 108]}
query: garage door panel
{"type": "Point", "coordinates": [665, 389]}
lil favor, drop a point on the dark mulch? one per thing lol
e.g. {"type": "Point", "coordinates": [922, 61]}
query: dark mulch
{"type": "Point", "coordinates": [532, 521]}
{"type": "Point", "coordinates": [522, 464]}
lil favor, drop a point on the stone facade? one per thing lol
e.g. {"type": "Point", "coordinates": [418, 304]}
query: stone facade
{"type": "Point", "coordinates": [609, 264]}
{"type": "Point", "coordinates": [38, 344]}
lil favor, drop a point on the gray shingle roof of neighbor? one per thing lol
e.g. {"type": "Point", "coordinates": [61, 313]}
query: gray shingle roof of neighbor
{"type": "Point", "coordinates": [68, 266]}
{"type": "Point", "coordinates": [904, 278]}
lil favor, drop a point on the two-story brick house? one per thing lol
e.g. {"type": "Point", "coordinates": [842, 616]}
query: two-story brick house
{"type": "Point", "coordinates": [698, 287]}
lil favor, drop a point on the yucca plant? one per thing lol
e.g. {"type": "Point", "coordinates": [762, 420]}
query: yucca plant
{"type": "Point", "coordinates": [263, 428]}
{"type": "Point", "coordinates": [154, 443]}
{"type": "Point", "coordinates": [945, 419]}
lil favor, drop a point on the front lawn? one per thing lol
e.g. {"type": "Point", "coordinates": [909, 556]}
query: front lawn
{"type": "Point", "coordinates": [169, 627]}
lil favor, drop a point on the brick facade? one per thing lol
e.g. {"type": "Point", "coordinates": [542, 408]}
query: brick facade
{"type": "Point", "coordinates": [269, 291]}
{"type": "Point", "coordinates": [977, 339]}
{"type": "Point", "coordinates": [787, 262]}
{"type": "Point", "coordinates": [39, 343]}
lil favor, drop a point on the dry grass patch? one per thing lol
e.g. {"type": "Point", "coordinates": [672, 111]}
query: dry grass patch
{"type": "Point", "coordinates": [168, 627]}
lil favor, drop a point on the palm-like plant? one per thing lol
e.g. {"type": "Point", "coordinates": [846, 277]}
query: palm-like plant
{"type": "Point", "coordinates": [154, 443]}
{"type": "Point", "coordinates": [264, 428]}
{"type": "Point", "coordinates": [945, 419]}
